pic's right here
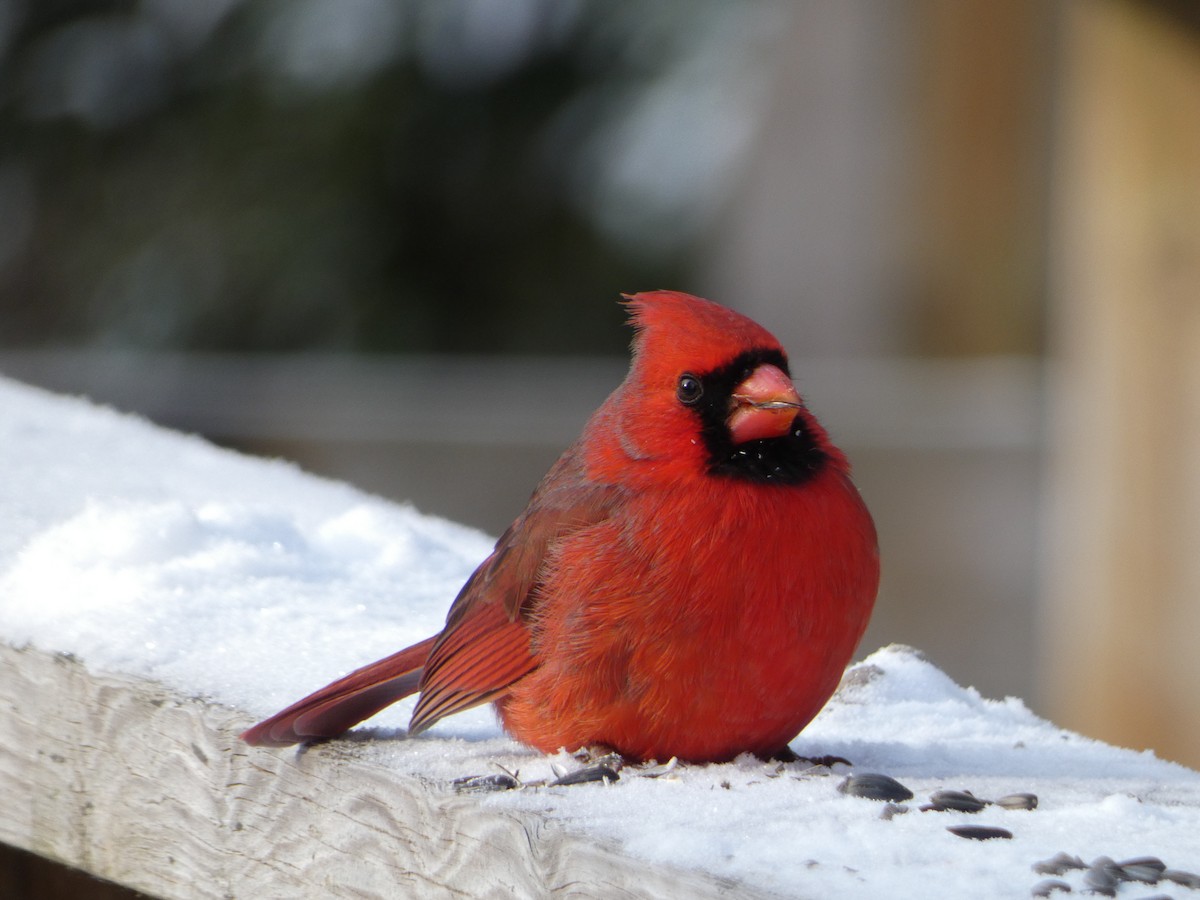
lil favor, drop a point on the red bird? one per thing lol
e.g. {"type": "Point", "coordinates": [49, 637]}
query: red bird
{"type": "Point", "coordinates": [689, 579]}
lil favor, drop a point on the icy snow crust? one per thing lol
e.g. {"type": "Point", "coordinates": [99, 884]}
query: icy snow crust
{"type": "Point", "coordinates": [248, 582]}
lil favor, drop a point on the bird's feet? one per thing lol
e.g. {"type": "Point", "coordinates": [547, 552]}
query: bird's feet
{"type": "Point", "coordinates": [787, 755]}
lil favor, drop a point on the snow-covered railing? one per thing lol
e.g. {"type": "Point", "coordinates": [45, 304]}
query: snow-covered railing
{"type": "Point", "coordinates": [157, 594]}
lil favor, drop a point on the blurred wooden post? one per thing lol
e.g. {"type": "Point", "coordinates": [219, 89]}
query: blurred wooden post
{"type": "Point", "coordinates": [978, 203]}
{"type": "Point", "coordinates": [1122, 619]}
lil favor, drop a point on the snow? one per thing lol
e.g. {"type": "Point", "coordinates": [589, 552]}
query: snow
{"type": "Point", "coordinates": [250, 583]}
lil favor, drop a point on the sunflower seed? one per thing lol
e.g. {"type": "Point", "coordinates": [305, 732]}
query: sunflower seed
{"type": "Point", "coordinates": [1108, 866]}
{"type": "Point", "coordinates": [874, 786]}
{"type": "Point", "coordinates": [587, 775]}
{"type": "Point", "coordinates": [1018, 801]}
{"type": "Point", "coordinates": [1058, 863]}
{"type": "Point", "coordinates": [1098, 880]}
{"type": "Point", "coordinates": [1144, 862]}
{"type": "Point", "coordinates": [1049, 886]}
{"type": "Point", "coordinates": [959, 801]}
{"type": "Point", "coordinates": [1141, 874]}
{"type": "Point", "coordinates": [483, 784]}
{"type": "Point", "coordinates": [980, 832]}
{"type": "Point", "coordinates": [1180, 877]}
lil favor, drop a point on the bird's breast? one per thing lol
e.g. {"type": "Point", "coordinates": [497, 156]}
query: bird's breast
{"type": "Point", "coordinates": [703, 625]}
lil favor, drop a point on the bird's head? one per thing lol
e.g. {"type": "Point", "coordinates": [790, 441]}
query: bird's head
{"type": "Point", "coordinates": [709, 385]}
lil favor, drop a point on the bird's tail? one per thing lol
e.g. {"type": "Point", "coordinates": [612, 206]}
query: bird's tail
{"type": "Point", "coordinates": [341, 705]}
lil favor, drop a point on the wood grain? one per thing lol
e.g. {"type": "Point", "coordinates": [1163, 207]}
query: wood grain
{"type": "Point", "coordinates": [136, 784]}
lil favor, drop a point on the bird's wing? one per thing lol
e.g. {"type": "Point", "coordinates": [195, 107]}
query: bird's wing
{"type": "Point", "coordinates": [485, 646]}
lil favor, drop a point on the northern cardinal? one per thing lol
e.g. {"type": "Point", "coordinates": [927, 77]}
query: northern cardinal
{"type": "Point", "coordinates": [689, 579]}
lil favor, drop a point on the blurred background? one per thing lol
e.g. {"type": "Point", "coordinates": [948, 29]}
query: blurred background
{"type": "Point", "coordinates": [385, 239]}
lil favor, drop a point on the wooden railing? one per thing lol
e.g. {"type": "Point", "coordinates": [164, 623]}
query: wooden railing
{"type": "Point", "coordinates": [139, 785]}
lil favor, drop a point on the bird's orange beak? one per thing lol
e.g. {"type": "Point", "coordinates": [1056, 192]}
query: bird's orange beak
{"type": "Point", "coordinates": [764, 406]}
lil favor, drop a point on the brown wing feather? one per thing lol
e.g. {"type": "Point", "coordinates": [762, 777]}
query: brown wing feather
{"type": "Point", "coordinates": [485, 646]}
{"type": "Point", "coordinates": [479, 659]}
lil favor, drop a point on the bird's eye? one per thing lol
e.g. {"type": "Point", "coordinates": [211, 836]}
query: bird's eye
{"type": "Point", "coordinates": [689, 389]}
